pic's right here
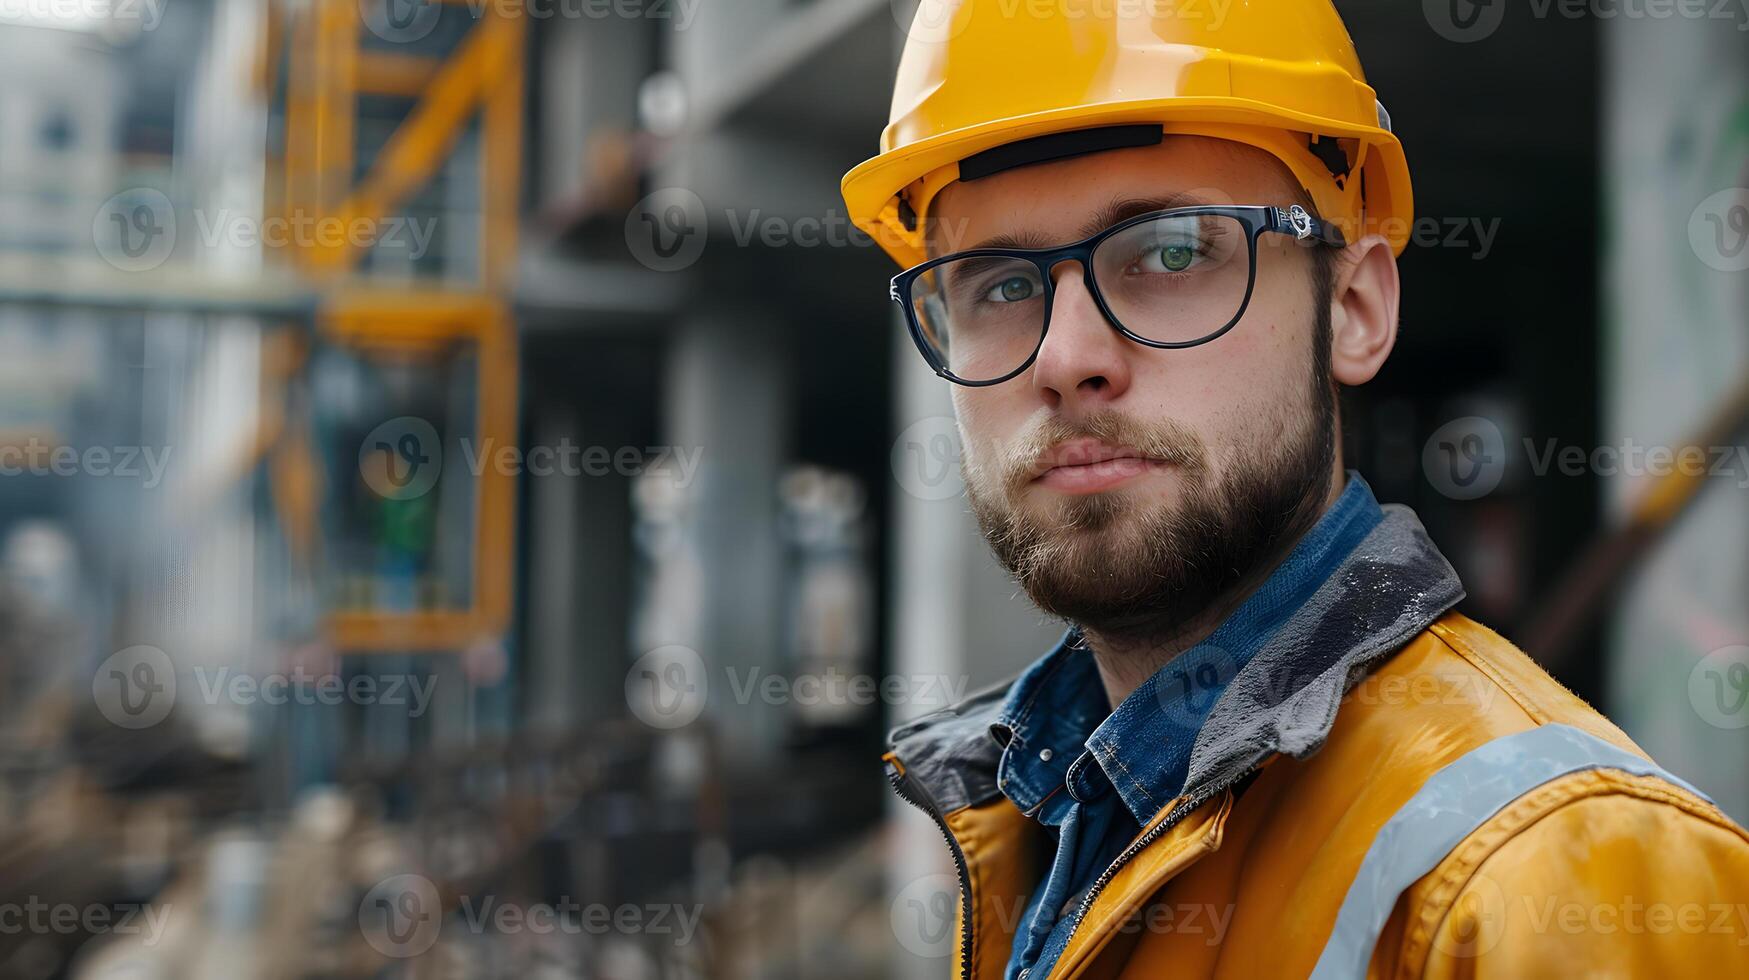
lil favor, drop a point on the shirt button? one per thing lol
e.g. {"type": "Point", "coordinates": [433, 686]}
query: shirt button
{"type": "Point", "coordinates": [1027, 972]}
{"type": "Point", "coordinates": [1044, 755]}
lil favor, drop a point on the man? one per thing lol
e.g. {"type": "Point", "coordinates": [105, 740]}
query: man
{"type": "Point", "coordinates": [1145, 248]}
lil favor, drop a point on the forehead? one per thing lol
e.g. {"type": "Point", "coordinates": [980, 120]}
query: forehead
{"type": "Point", "coordinates": [1050, 202]}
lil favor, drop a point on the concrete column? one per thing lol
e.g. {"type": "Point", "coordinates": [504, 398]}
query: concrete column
{"type": "Point", "coordinates": [727, 399]}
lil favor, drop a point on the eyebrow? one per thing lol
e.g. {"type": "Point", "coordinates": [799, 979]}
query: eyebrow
{"type": "Point", "coordinates": [1113, 213]}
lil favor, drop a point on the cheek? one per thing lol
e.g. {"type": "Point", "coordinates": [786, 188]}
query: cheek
{"type": "Point", "coordinates": [1240, 388]}
{"type": "Point", "coordinates": [988, 418]}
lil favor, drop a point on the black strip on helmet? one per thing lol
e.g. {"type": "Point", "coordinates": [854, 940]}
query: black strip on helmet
{"type": "Point", "coordinates": [1329, 153]}
{"type": "Point", "coordinates": [907, 214]}
{"type": "Point", "coordinates": [1056, 146]}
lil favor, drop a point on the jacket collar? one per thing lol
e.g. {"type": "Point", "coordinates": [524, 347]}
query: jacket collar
{"type": "Point", "coordinates": [1391, 586]}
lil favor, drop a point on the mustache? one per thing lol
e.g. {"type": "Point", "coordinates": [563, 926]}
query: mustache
{"type": "Point", "coordinates": [1166, 440]}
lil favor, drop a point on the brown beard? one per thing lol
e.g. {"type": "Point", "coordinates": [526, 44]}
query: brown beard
{"type": "Point", "coordinates": [1124, 572]}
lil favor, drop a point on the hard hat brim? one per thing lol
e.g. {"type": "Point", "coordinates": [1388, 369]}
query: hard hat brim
{"type": "Point", "coordinates": [870, 189]}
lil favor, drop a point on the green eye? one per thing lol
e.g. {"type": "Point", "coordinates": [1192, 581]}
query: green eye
{"type": "Point", "coordinates": [1014, 290]}
{"type": "Point", "coordinates": [1177, 258]}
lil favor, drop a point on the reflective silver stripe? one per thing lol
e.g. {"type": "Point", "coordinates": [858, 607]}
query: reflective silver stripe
{"type": "Point", "coordinates": [1449, 806]}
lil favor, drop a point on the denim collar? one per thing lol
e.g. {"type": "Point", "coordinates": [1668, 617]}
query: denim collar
{"type": "Point", "coordinates": [1056, 723]}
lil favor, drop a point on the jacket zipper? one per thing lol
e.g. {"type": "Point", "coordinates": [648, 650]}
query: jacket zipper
{"type": "Point", "coordinates": [1141, 843]}
{"type": "Point", "coordinates": [913, 794]}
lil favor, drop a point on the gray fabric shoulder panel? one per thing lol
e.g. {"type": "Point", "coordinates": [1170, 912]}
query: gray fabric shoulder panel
{"type": "Point", "coordinates": [950, 752]}
{"type": "Point", "coordinates": [1391, 587]}
{"type": "Point", "coordinates": [1450, 806]}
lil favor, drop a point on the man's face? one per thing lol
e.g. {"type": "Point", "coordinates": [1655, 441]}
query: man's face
{"type": "Point", "coordinates": [1126, 487]}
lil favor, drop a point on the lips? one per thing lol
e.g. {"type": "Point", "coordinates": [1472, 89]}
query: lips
{"type": "Point", "coordinates": [1090, 466]}
{"type": "Point", "coordinates": [1083, 452]}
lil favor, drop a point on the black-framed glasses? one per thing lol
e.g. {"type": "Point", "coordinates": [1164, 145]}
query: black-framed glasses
{"type": "Point", "coordinates": [1167, 279]}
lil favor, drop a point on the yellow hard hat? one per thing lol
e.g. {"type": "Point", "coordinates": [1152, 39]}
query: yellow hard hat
{"type": "Point", "coordinates": [985, 84]}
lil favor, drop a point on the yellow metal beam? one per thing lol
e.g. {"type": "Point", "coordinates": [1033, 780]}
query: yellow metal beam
{"type": "Point", "coordinates": [389, 73]}
{"type": "Point", "coordinates": [501, 169]}
{"type": "Point", "coordinates": [416, 149]}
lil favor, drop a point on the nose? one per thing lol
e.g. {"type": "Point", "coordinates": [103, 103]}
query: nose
{"type": "Point", "coordinates": [1084, 363]}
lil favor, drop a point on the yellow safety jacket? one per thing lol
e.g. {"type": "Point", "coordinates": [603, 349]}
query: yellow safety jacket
{"type": "Point", "coordinates": [1388, 789]}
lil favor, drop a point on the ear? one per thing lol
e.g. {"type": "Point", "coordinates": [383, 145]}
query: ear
{"type": "Point", "coordinates": [1363, 310]}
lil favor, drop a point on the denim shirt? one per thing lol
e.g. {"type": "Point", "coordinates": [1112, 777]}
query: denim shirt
{"type": "Point", "coordinates": [1094, 777]}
